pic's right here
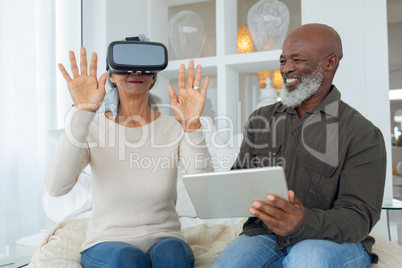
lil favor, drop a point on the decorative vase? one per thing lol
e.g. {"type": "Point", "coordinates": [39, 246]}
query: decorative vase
{"type": "Point", "coordinates": [186, 34]}
{"type": "Point", "coordinates": [268, 22]}
{"type": "Point", "coordinates": [268, 95]}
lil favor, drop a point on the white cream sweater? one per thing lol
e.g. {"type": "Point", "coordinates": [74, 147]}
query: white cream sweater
{"type": "Point", "coordinates": [134, 173]}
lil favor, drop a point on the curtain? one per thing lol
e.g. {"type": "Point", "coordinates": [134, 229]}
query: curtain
{"type": "Point", "coordinates": [27, 101]}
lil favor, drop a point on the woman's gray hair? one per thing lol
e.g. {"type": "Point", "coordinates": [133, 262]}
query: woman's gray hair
{"type": "Point", "coordinates": [154, 101]}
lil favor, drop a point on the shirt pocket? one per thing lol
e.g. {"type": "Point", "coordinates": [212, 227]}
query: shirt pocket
{"type": "Point", "coordinates": [268, 156]}
{"type": "Point", "coordinates": [323, 179]}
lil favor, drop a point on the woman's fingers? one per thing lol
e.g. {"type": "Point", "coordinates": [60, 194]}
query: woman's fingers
{"type": "Point", "coordinates": [190, 74]}
{"type": "Point", "coordinates": [73, 64]}
{"type": "Point", "coordinates": [182, 76]}
{"type": "Point", "coordinates": [83, 61]}
{"type": "Point", "coordinates": [204, 88]}
{"type": "Point", "coordinates": [64, 73]}
{"type": "Point", "coordinates": [102, 82]}
{"type": "Point", "coordinates": [172, 95]}
{"type": "Point", "coordinates": [93, 65]}
{"type": "Point", "coordinates": [197, 78]}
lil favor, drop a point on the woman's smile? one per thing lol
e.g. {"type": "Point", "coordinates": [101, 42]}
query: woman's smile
{"type": "Point", "coordinates": [136, 81]}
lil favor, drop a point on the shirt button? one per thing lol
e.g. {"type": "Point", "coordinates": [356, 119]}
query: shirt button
{"type": "Point", "coordinates": [294, 133]}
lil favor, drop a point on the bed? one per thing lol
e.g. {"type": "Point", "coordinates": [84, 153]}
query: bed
{"type": "Point", "coordinates": [60, 246]}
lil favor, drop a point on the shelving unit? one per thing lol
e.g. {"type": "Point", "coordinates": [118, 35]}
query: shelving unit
{"type": "Point", "coordinates": [222, 60]}
{"type": "Point", "coordinates": [362, 78]}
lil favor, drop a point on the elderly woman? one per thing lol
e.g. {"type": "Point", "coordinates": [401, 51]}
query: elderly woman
{"type": "Point", "coordinates": [133, 156]}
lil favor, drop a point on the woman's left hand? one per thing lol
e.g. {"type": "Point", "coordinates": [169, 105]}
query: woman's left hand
{"type": "Point", "coordinates": [187, 104]}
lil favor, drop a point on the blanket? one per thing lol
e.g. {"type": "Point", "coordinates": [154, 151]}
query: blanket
{"type": "Point", "coordinates": [61, 245]}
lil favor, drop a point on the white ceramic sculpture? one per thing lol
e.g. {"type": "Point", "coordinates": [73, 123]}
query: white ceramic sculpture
{"type": "Point", "coordinates": [268, 95]}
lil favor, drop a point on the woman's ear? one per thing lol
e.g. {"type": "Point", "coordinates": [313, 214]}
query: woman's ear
{"type": "Point", "coordinates": [112, 78]}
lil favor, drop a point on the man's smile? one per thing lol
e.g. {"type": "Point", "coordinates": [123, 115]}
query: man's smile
{"type": "Point", "coordinates": [291, 81]}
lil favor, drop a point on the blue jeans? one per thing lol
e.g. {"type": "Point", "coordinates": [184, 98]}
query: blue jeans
{"type": "Point", "coordinates": [258, 251]}
{"type": "Point", "coordinates": [169, 252]}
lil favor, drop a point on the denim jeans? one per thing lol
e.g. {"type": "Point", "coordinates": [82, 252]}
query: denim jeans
{"type": "Point", "coordinates": [258, 251]}
{"type": "Point", "coordinates": [169, 252]}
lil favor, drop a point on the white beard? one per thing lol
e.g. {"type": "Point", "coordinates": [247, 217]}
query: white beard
{"type": "Point", "coordinates": [306, 88]}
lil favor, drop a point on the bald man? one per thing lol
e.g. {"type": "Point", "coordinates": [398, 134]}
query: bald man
{"type": "Point", "coordinates": [334, 161]}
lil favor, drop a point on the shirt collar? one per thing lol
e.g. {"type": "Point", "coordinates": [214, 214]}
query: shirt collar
{"type": "Point", "coordinates": [330, 103]}
{"type": "Point", "coordinates": [282, 108]}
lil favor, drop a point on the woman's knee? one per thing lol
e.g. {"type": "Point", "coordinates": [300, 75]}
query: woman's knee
{"type": "Point", "coordinates": [171, 252]}
{"type": "Point", "coordinates": [114, 254]}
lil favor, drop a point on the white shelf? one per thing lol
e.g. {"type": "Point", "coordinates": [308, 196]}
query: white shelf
{"type": "Point", "coordinates": [254, 62]}
{"type": "Point", "coordinates": [181, 2]}
{"type": "Point", "coordinates": [224, 63]}
{"type": "Point", "coordinates": [241, 63]}
{"type": "Point", "coordinates": [209, 66]}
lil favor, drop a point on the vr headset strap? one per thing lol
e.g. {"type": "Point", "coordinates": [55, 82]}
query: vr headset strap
{"type": "Point", "coordinates": [135, 38]}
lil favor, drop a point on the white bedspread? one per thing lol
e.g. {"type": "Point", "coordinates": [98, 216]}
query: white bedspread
{"type": "Point", "coordinates": [61, 245]}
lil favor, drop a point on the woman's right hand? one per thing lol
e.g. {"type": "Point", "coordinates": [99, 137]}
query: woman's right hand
{"type": "Point", "coordinates": [85, 90]}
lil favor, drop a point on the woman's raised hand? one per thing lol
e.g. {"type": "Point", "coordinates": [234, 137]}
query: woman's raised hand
{"type": "Point", "coordinates": [85, 90]}
{"type": "Point", "coordinates": [187, 104]}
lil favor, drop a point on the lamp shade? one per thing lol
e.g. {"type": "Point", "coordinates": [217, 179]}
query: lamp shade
{"type": "Point", "coordinates": [268, 21]}
{"type": "Point", "coordinates": [262, 77]}
{"type": "Point", "coordinates": [277, 80]}
{"type": "Point", "coordinates": [244, 40]}
{"type": "Point", "coordinates": [186, 34]}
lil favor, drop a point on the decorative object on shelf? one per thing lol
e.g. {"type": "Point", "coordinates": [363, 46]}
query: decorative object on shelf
{"type": "Point", "coordinates": [244, 41]}
{"type": "Point", "coordinates": [268, 95]}
{"type": "Point", "coordinates": [277, 80]}
{"type": "Point", "coordinates": [268, 21]}
{"type": "Point", "coordinates": [275, 77]}
{"type": "Point", "coordinates": [186, 34]}
{"type": "Point", "coordinates": [262, 76]}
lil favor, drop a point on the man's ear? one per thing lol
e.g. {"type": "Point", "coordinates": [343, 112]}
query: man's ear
{"type": "Point", "coordinates": [331, 63]}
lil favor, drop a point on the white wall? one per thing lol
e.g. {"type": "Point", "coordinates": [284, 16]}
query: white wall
{"type": "Point", "coordinates": [106, 21]}
{"type": "Point", "coordinates": [395, 54]}
{"type": "Point", "coordinates": [362, 76]}
{"type": "Point", "coordinates": [68, 37]}
{"type": "Point", "coordinates": [394, 8]}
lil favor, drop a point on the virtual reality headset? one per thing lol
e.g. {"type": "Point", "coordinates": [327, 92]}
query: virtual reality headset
{"type": "Point", "coordinates": [134, 56]}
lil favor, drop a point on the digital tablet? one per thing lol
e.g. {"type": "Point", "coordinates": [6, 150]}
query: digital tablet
{"type": "Point", "coordinates": [231, 193]}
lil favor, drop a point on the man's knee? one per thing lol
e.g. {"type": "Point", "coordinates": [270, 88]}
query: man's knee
{"type": "Point", "coordinates": [323, 253]}
{"type": "Point", "coordinates": [248, 251]}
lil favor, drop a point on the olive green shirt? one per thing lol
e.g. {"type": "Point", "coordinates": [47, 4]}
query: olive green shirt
{"type": "Point", "coordinates": [334, 160]}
